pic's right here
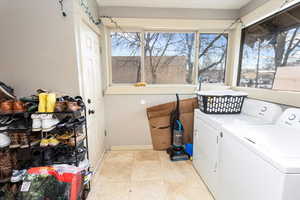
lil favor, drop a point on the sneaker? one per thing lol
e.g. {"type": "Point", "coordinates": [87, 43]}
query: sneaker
{"type": "Point", "coordinates": [36, 122]}
{"type": "Point", "coordinates": [44, 142]}
{"type": "Point", "coordinates": [6, 92]}
{"type": "Point", "coordinates": [34, 140]}
{"type": "Point", "coordinates": [24, 143]}
{"type": "Point", "coordinates": [48, 122]}
{"type": "Point", "coordinates": [4, 140]}
{"type": "Point", "coordinates": [17, 175]}
{"type": "Point", "coordinates": [52, 141]}
{"type": "Point", "coordinates": [14, 138]}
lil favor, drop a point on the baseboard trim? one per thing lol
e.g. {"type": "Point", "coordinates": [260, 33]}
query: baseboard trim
{"type": "Point", "coordinates": [131, 147]}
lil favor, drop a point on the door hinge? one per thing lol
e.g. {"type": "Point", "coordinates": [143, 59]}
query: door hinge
{"type": "Point", "coordinates": [221, 134]}
{"type": "Point", "coordinates": [105, 133]}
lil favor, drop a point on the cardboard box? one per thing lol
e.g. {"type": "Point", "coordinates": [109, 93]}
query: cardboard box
{"type": "Point", "coordinates": [159, 122]}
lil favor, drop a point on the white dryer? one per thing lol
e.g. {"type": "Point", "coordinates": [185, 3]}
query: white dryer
{"type": "Point", "coordinates": [261, 162]}
{"type": "Point", "coordinates": [208, 129]}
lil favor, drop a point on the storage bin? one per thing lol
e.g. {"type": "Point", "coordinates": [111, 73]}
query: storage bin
{"type": "Point", "coordinates": [221, 102]}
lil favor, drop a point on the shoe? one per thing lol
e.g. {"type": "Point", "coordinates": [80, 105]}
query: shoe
{"type": "Point", "coordinates": [36, 160]}
{"type": "Point", "coordinates": [14, 138]}
{"type": "Point", "coordinates": [49, 155]}
{"type": "Point", "coordinates": [42, 102]}
{"type": "Point", "coordinates": [31, 99]}
{"type": "Point", "coordinates": [17, 175]}
{"type": "Point", "coordinates": [19, 124]}
{"type": "Point", "coordinates": [84, 164]}
{"type": "Point", "coordinates": [14, 160]}
{"type": "Point", "coordinates": [65, 136]}
{"type": "Point", "coordinates": [51, 100]}
{"type": "Point", "coordinates": [6, 92]}
{"type": "Point", "coordinates": [79, 139]}
{"type": "Point", "coordinates": [36, 122]}
{"type": "Point", "coordinates": [18, 107]}
{"type": "Point", "coordinates": [34, 140]}
{"type": "Point", "coordinates": [48, 122]}
{"type": "Point", "coordinates": [5, 167]}
{"type": "Point", "coordinates": [23, 140]}
{"type": "Point", "coordinates": [6, 107]}
{"type": "Point", "coordinates": [73, 106]}
{"type": "Point", "coordinates": [52, 141]}
{"type": "Point", "coordinates": [44, 142]}
{"type": "Point", "coordinates": [61, 106]}
{"type": "Point", "coordinates": [4, 140]}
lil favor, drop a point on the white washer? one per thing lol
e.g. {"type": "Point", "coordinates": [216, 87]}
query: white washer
{"type": "Point", "coordinates": [207, 130]}
{"type": "Point", "coordinates": [261, 162]}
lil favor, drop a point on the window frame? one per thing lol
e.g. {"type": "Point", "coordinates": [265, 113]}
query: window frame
{"type": "Point", "coordinates": [284, 97]}
{"type": "Point", "coordinates": [127, 88]}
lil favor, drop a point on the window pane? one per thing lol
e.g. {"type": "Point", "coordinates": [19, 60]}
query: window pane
{"type": "Point", "coordinates": [271, 53]}
{"type": "Point", "coordinates": [169, 58]}
{"type": "Point", "coordinates": [126, 58]}
{"type": "Point", "coordinates": [212, 57]}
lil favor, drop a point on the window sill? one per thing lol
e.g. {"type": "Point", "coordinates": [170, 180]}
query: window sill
{"type": "Point", "coordinates": [161, 89]}
{"type": "Point", "coordinates": [289, 98]}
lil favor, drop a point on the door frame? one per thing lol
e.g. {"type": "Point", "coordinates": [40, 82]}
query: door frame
{"type": "Point", "coordinates": [79, 17]}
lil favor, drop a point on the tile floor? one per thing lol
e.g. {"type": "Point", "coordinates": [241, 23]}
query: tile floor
{"type": "Point", "coordinates": [146, 175]}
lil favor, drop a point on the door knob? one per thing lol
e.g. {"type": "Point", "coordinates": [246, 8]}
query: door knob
{"type": "Point", "coordinates": [91, 112]}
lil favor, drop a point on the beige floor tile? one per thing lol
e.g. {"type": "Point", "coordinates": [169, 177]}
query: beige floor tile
{"type": "Point", "coordinates": [147, 175]}
{"type": "Point", "coordinates": [184, 191]}
{"type": "Point", "coordinates": [115, 172]}
{"type": "Point", "coordinates": [148, 190]}
{"type": "Point", "coordinates": [147, 156]}
{"type": "Point", "coordinates": [112, 191]}
{"type": "Point", "coordinates": [120, 156]}
{"type": "Point", "coordinates": [147, 170]}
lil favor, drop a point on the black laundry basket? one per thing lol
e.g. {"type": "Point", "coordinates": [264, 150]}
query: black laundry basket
{"type": "Point", "coordinates": [223, 102]}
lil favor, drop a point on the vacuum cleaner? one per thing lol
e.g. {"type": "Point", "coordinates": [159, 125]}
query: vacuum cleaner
{"type": "Point", "coordinates": [176, 151]}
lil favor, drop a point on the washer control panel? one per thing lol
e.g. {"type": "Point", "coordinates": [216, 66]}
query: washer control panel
{"type": "Point", "coordinates": [290, 118]}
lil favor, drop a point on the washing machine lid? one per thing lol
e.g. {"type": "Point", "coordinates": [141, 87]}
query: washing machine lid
{"type": "Point", "coordinates": [254, 112]}
{"type": "Point", "coordinates": [218, 121]}
{"type": "Point", "coordinates": [279, 145]}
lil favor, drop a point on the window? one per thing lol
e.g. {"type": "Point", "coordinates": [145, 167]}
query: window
{"type": "Point", "coordinates": [167, 57]}
{"type": "Point", "coordinates": [270, 56]}
{"type": "Point", "coordinates": [125, 57]}
{"type": "Point", "coordinates": [212, 57]}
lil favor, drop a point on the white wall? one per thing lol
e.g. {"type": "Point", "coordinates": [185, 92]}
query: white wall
{"type": "Point", "coordinates": [37, 46]}
{"type": "Point", "coordinates": [127, 122]}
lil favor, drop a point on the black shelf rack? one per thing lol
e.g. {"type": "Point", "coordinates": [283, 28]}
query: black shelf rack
{"type": "Point", "coordinates": [75, 128]}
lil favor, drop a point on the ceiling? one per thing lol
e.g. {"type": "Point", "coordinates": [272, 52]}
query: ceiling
{"type": "Point", "coordinates": [202, 4]}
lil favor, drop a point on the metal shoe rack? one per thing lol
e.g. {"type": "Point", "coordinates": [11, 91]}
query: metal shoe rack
{"type": "Point", "coordinates": [75, 128]}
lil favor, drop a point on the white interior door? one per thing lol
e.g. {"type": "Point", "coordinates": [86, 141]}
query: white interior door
{"type": "Point", "coordinates": [92, 91]}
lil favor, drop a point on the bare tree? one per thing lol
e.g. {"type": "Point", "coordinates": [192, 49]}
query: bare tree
{"type": "Point", "coordinates": [161, 49]}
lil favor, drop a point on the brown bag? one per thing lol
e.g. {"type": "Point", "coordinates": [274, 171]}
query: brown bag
{"type": "Point", "coordinates": [159, 122]}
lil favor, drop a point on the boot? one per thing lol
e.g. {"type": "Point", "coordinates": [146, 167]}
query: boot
{"type": "Point", "coordinates": [51, 100]}
{"type": "Point", "coordinates": [42, 102]}
{"type": "Point", "coordinates": [5, 166]}
{"type": "Point", "coordinates": [23, 140]}
{"type": "Point", "coordinates": [14, 138]}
